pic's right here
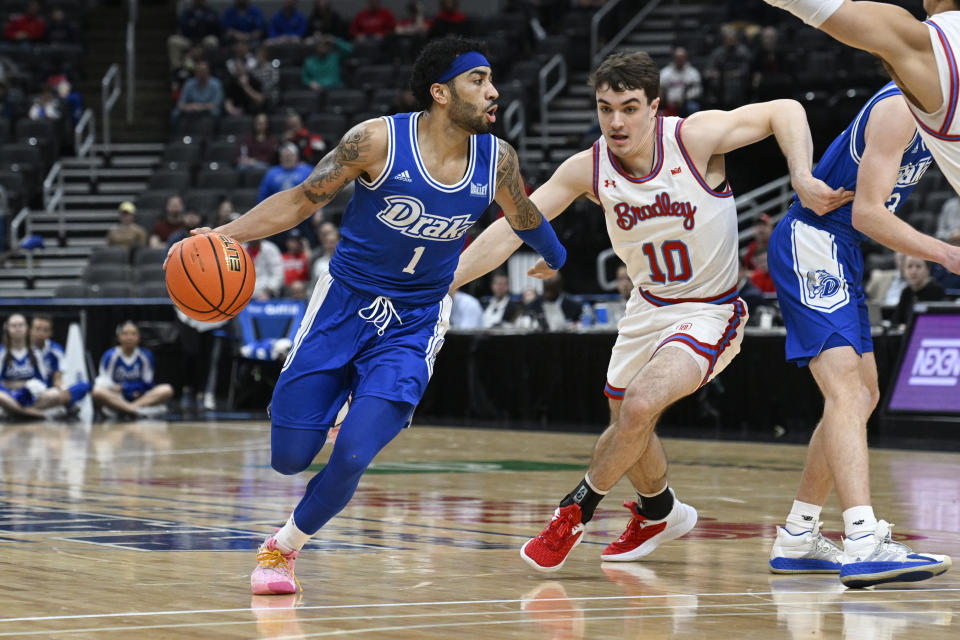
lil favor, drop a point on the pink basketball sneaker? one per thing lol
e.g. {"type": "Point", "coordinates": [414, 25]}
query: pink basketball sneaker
{"type": "Point", "coordinates": [274, 572]}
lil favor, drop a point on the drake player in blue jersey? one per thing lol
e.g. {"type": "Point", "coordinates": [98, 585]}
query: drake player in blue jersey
{"type": "Point", "coordinates": [817, 266]}
{"type": "Point", "coordinates": [375, 323]}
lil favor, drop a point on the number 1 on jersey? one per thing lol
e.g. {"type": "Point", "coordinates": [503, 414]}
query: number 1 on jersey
{"type": "Point", "coordinates": [417, 254]}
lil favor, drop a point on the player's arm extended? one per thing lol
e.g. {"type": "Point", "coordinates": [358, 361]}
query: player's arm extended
{"type": "Point", "coordinates": [889, 130]}
{"type": "Point", "coordinates": [709, 133]}
{"type": "Point", "coordinates": [523, 217]}
{"type": "Point", "coordinates": [361, 150]}
{"type": "Point", "coordinates": [498, 241]}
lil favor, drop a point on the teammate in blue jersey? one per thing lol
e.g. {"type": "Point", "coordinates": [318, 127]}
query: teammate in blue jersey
{"type": "Point", "coordinates": [125, 382]}
{"type": "Point", "coordinates": [24, 375]}
{"type": "Point", "coordinates": [816, 264]}
{"type": "Point", "coordinates": [376, 322]}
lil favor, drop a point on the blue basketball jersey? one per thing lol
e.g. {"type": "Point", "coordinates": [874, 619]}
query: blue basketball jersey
{"type": "Point", "coordinates": [116, 368]}
{"type": "Point", "coordinates": [839, 166]}
{"type": "Point", "coordinates": [402, 234]}
{"type": "Point", "coordinates": [19, 366]}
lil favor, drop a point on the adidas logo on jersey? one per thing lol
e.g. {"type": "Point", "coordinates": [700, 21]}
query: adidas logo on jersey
{"type": "Point", "coordinates": [403, 176]}
{"type": "Point", "coordinates": [407, 215]}
{"type": "Point", "coordinates": [479, 190]}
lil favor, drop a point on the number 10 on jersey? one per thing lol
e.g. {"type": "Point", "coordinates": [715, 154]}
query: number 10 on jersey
{"type": "Point", "coordinates": [675, 258]}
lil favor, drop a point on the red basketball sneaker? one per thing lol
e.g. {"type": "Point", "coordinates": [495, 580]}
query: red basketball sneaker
{"type": "Point", "coordinates": [549, 550]}
{"type": "Point", "coordinates": [643, 536]}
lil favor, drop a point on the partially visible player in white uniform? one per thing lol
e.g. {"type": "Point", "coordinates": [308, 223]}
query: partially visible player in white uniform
{"type": "Point", "coordinates": [672, 220]}
{"type": "Point", "coordinates": [921, 58]}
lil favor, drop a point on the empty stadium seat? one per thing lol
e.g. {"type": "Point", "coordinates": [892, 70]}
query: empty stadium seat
{"type": "Point", "coordinates": [346, 101]}
{"type": "Point", "coordinates": [110, 256]}
{"type": "Point", "coordinates": [114, 290]}
{"type": "Point", "coordinates": [222, 152]}
{"type": "Point", "coordinates": [78, 290]}
{"type": "Point", "coordinates": [147, 256]}
{"type": "Point", "coordinates": [171, 180]}
{"type": "Point", "coordinates": [145, 273]}
{"type": "Point", "coordinates": [217, 178]}
{"type": "Point", "coordinates": [99, 274]}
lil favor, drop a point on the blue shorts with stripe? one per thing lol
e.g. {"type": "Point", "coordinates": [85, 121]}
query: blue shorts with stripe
{"type": "Point", "coordinates": [337, 352]}
{"type": "Point", "coordinates": [819, 279]}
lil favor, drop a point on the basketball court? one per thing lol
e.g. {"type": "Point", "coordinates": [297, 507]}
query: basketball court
{"type": "Point", "coordinates": [148, 530]}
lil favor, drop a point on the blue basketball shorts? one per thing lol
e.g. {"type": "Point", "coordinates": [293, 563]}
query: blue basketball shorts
{"type": "Point", "coordinates": [352, 344]}
{"type": "Point", "coordinates": [819, 280]}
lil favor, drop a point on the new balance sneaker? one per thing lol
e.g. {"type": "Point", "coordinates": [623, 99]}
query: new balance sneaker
{"type": "Point", "coordinates": [274, 572]}
{"type": "Point", "coordinates": [549, 550]}
{"type": "Point", "coordinates": [875, 559]}
{"type": "Point", "coordinates": [807, 552]}
{"type": "Point", "coordinates": [643, 535]}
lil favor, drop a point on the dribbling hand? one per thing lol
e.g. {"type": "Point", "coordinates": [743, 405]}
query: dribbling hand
{"type": "Point", "coordinates": [817, 196]}
{"type": "Point", "coordinates": [194, 232]}
{"type": "Point", "coordinates": [541, 271]}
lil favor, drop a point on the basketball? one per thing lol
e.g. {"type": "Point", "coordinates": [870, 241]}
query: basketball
{"type": "Point", "coordinates": [210, 277]}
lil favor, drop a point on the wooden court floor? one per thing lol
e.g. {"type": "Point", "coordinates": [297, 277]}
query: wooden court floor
{"type": "Point", "coordinates": [147, 530]}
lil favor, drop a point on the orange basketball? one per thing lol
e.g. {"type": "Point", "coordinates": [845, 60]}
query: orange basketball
{"type": "Point", "coordinates": [210, 277]}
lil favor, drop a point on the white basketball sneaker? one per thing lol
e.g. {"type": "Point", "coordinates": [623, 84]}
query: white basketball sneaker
{"type": "Point", "coordinates": [875, 559]}
{"type": "Point", "coordinates": [807, 552]}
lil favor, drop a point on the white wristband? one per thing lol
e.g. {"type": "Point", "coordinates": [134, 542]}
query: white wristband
{"type": "Point", "coordinates": [813, 12]}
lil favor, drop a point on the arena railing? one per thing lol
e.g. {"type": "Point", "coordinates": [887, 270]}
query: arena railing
{"type": "Point", "coordinates": [21, 219]}
{"type": "Point", "coordinates": [515, 126]}
{"type": "Point", "coordinates": [771, 198]}
{"type": "Point", "coordinates": [109, 93]}
{"type": "Point", "coordinates": [548, 93]}
{"type": "Point", "coordinates": [131, 57]}
{"type": "Point", "coordinates": [597, 52]}
{"type": "Point", "coordinates": [53, 198]}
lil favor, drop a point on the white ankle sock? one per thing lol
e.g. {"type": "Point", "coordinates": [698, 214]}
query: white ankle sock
{"type": "Point", "coordinates": [290, 538]}
{"type": "Point", "coordinates": [803, 517]}
{"type": "Point", "coordinates": [859, 521]}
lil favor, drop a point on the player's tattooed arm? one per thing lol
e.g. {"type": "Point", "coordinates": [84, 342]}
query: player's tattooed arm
{"type": "Point", "coordinates": [343, 164]}
{"type": "Point", "coordinates": [511, 195]}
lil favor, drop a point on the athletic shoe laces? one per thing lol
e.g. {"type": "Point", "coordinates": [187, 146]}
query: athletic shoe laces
{"type": "Point", "coordinates": [274, 559]}
{"type": "Point", "coordinates": [557, 532]}
{"type": "Point", "coordinates": [380, 312]}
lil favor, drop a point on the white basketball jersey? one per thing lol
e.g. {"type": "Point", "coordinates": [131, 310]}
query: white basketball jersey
{"type": "Point", "coordinates": [676, 235]}
{"type": "Point", "coordinates": [941, 130]}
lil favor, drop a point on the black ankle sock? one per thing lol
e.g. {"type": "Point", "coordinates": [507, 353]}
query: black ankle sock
{"type": "Point", "coordinates": [656, 507]}
{"type": "Point", "coordinates": [587, 498]}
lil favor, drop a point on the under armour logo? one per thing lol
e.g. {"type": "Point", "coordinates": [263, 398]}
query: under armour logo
{"type": "Point", "coordinates": [808, 518]}
{"type": "Point", "coordinates": [610, 183]}
{"type": "Point", "coordinates": [675, 171]}
{"type": "Point", "coordinates": [858, 523]}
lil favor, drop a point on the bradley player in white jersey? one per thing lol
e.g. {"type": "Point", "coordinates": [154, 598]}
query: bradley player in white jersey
{"type": "Point", "coordinates": [671, 219]}
{"type": "Point", "coordinates": [921, 58]}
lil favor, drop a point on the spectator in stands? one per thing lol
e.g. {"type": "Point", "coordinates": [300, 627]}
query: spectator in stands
{"type": "Point", "coordinates": [760, 276]}
{"type": "Point", "coordinates": [948, 222]}
{"type": "Point", "coordinates": [329, 238]}
{"type": "Point", "coordinates": [125, 383]}
{"type": "Point", "coordinates": [240, 58]}
{"type": "Point", "coordinates": [243, 94]}
{"type": "Point", "coordinates": [243, 21]}
{"type": "Point", "coordinates": [197, 24]}
{"type": "Point", "coordinates": [192, 219]}
{"type": "Point", "coordinates": [310, 145]}
{"type": "Point", "coordinates": [322, 69]}
{"type": "Point", "coordinates": [624, 283]}
{"type": "Point", "coordinates": [267, 72]}
{"type": "Point", "coordinates": [184, 72]}
{"type": "Point", "coordinates": [201, 95]}
{"type": "Point", "coordinates": [501, 309]}
{"type": "Point", "coordinates": [297, 290]}
{"type": "Point", "coordinates": [289, 173]}
{"type": "Point", "coordinates": [258, 149]}
{"type": "Point", "coordinates": [226, 212]}
{"type": "Point", "coordinates": [466, 312]}
{"type": "Point", "coordinates": [171, 221]}
{"type": "Point", "coordinates": [771, 69]}
{"type": "Point", "coordinates": [28, 26]}
{"type": "Point", "coordinates": [127, 233]}
{"type": "Point", "coordinates": [886, 285]}
{"type": "Point", "coordinates": [8, 108]}
{"type": "Point", "coordinates": [680, 85]}
{"type": "Point", "coordinates": [414, 23]}
{"type": "Point", "coordinates": [70, 98]}
{"type": "Point", "coordinates": [268, 262]}
{"type": "Point", "coordinates": [762, 229]}
{"type": "Point", "coordinates": [287, 24]}
{"type": "Point", "coordinates": [296, 259]}
{"type": "Point", "coordinates": [615, 309]}
{"type": "Point", "coordinates": [448, 20]}
{"type": "Point", "coordinates": [920, 288]}
{"type": "Point", "coordinates": [324, 20]}
{"type": "Point", "coordinates": [373, 22]}
{"type": "Point", "coordinates": [60, 29]}
{"type": "Point", "coordinates": [728, 69]}
{"type": "Point", "coordinates": [553, 311]}
{"type": "Point", "coordinates": [46, 106]}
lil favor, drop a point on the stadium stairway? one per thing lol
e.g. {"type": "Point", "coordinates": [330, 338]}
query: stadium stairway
{"type": "Point", "coordinates": [90, 210]}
